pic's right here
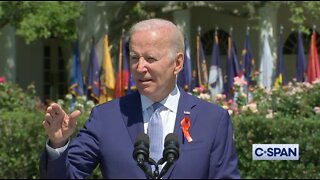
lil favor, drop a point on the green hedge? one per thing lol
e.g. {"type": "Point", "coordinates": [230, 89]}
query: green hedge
{"type": "Point", "coordinates": [22, 139]}
{"type": "Point", "coordinates": [259, 130]}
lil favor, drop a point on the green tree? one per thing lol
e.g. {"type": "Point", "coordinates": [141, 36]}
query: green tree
{"type": "Point", "coordinates": [41, 20]}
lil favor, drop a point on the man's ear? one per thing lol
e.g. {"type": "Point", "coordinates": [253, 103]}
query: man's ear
{"type": "Point", "coordinates": [178, 63]}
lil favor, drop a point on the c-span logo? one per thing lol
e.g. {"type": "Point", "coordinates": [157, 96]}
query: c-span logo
{"type": "Point", "coordinates": [275, 151]}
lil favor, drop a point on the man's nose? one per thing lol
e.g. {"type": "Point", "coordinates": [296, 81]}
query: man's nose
{"type": "Point", "coordinates": [141, 67]}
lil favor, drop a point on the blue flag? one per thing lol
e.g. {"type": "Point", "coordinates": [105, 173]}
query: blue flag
{"type": "Point", "coordinates": [195, 79]}
{"type": "Point", "coordinates": [232, 69]}
{"type": "Point", "coordinates": [280, 78]}
{"type": "Point", "coordinates": [93, 88]}
{"type": "Point", "coordinates": [215, 75]}
{"type": "Point", "coordinates": [301, 60]}
{"type": "Point", "coordinates": [76, 83]}
{"type": "Point", "coordinates": [247, 61]}
{"type": "Point", "coordinates": [185, 76]}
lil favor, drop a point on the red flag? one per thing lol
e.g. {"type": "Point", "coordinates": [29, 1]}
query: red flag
{"type": "Point", "coordinates": [313, 71]}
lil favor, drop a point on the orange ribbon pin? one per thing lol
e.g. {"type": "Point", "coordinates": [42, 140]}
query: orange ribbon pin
{"type": "Point", "coordinates": [185, 125]}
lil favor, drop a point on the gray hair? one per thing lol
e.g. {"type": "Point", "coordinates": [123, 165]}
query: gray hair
{"type": "Point", "coordinates": [177, 40]}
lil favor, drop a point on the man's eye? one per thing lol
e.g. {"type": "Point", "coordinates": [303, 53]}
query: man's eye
{"type": "Point", "coordinates": [134, 58]}
{"type": "Point", "coordinates": [151, 59]}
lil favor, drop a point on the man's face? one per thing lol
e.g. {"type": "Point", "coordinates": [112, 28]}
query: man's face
{"type": "Point", "coordinates": [152, 66]}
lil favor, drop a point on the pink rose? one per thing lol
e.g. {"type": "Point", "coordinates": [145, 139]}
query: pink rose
{"type": "Point", "coordinates": [2, 79]}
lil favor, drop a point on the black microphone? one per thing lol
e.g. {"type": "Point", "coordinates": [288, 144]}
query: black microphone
{"type": "Point", "coordinates": [171, 148]}
{"type": "Point", "coordinates": [141, 153]}
{"type": "Point", "coordinates": [141, 148]}
{"type": "Point", "coordinates": [170, 152]}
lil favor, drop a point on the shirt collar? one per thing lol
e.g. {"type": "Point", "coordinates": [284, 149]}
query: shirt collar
{"type": "Point", "coordinates": [170, 102]}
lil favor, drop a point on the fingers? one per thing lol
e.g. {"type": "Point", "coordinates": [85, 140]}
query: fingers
{"type": "Point", "coordinates": [57, 120]}
{"type": "Point", "coordinates": [57, 111]}
{"type": "Point", "coordinates": [48, 118]}
{"type": "Point", "coordinates": [46, 124]}
{"type": "Point", "coordinates": [58, 125]}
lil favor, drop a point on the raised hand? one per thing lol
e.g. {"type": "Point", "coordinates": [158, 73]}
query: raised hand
{"type": "Point", "coordinates": [58, 125]}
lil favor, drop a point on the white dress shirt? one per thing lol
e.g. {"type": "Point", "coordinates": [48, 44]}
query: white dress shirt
{"type": "Point", "coordinates": [168, 113]}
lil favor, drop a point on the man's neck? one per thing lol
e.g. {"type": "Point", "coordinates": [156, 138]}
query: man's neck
{"type": "Point", "coordinates": [159, 99]}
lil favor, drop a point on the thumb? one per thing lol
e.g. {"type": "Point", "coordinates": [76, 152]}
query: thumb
{"type": "Point", "coordinates": [73, 117]}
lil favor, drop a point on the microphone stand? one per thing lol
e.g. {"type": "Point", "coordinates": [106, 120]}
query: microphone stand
{"type": "Point", "coordinates": [165, 168]}
{"type": "Point", "coordinates": [145, 169]}
{"type": "Point", "coordinates": [156, 174]}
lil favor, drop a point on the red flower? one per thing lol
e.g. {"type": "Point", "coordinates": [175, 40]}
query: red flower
{"type": "Point", "coordinates": [2, 79]}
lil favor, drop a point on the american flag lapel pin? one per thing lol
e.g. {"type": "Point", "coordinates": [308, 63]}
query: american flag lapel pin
{"type": "Point", "coordinates": [186, 112]}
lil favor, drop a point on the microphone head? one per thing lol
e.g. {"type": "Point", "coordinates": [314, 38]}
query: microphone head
{"type": "Point", "coordinates": [171, 148]}
{"type": "Point", "coordinates": [142, 138]}
{"type": "Point", "coordinates": [171, 138]}
{"type": "Point", "coordinates": [141, 147]}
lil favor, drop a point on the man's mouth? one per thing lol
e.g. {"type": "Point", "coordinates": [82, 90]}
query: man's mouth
{"type": "Point", "coordinates": [145, 80]}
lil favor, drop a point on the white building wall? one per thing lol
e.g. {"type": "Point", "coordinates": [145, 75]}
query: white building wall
{"type": "Point", "coordinates": [8, 53]}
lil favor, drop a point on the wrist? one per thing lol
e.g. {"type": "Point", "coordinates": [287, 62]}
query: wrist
{"type": "Point", "coordinates": [56, 145]}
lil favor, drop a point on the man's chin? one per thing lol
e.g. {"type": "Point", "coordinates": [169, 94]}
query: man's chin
{"type": "Point", "coordinates": [148, 92]}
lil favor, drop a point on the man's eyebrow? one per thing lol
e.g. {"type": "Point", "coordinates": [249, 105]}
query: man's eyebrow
{"type": "Point", "coordinates": [131, 53]}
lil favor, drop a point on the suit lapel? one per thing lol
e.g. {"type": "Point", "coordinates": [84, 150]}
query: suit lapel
{"type": "Point", "coordinates": [186, 108]}
{"type": "Point", "coordinates": [131, 111]}
{"type": "Point", "coordinates": [186, 104]}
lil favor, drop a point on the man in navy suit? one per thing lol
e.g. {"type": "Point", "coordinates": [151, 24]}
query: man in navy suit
{"type": "Point", "coordinates": [204, 130]}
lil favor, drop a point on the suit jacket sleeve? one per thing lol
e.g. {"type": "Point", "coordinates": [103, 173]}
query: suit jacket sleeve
{"type": "Point", "coordinates": [223, 159]}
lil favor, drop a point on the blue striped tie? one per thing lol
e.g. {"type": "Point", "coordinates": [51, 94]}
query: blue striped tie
{"type": "Point", "coordinates": [155, 132]}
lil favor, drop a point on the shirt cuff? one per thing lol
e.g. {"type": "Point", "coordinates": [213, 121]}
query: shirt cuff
{"type": "Point", "coordinates": [54, 154]}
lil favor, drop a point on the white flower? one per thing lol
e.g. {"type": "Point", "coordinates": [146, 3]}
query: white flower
{"type": "Point", "coordinates": [204, 96]}
{"type": "Point", "coordinates": [68, 96]}
{"type": "Point", "coordinates": [60, 102]}
{"type": "Point", "coordinates": [316, 110]}
{"type": "Point", "coordinates": [270, 114]}
{"type": "Point", "coordinates": [253, 107]}
{"type": "Point", "coordinates": [90, 105]}
{"type": "Point", "coordinates": [225, 107]}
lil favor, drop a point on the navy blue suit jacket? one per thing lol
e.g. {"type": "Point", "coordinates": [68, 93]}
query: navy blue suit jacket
{"type": "Point", "coordinates": [109, 134]}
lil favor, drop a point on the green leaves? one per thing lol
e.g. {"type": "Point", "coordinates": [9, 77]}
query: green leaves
{"type": "Point", "coordinates": [13, 98]}
{"type": "Point", "coordinates": [36, 20]}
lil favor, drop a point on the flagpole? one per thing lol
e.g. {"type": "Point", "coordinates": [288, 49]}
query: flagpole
{"type": "Point", "coordinates": [281, 50]}
{"type": "Point", "coordinates": [198, 56]}
{"type": "Point", "coordinates": [248, 83]}
{"type": "Point", "coordinates": [313, 48]}
{"type": "Point", "coordinates": [120, 64]}
{"type": "Point", "coordinates": [230, 89]}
